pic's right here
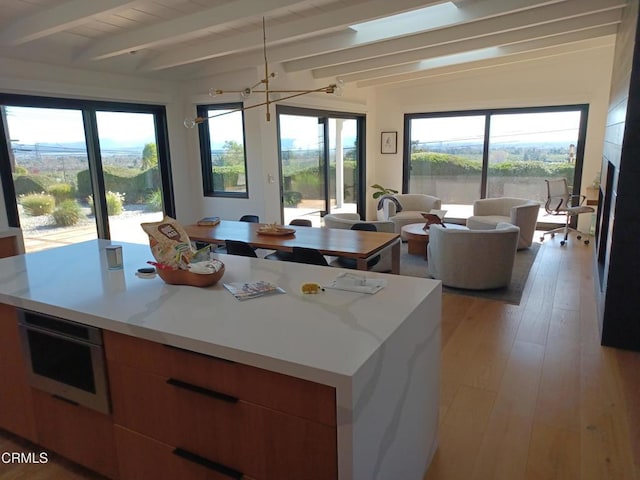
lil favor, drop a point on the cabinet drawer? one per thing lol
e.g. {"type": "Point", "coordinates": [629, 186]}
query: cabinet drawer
{"type": "Point", "coordinates": [77, 433]}
{"type": "Point", "coordinates": [141, 457]}
{"type": "Point", "coordinates": [281, 392]}
{"type": "Point", "coordinates": [261, 442]}
{"type": "Point", "coordinates": [8, 246]}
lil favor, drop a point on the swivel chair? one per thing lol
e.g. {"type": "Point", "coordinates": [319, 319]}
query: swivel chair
{"type": "Point", "coordinates": [560, 201]}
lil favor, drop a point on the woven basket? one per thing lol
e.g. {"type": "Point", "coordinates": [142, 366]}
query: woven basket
{"type": "Point", "coordinates": [185, 277]}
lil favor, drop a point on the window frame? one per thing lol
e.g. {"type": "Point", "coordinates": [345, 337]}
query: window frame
{"type": "Point", "coordinates": [204, 135]}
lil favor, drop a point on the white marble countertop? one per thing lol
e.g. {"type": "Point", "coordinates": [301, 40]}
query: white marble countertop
{"type": "Point", "coordinates": [323, 338]}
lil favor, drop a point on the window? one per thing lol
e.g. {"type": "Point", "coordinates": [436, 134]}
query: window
{"type": "Point", "coordinates": [75, 170]}
{"type": "Point", "coordinates": [224, 162]}
{"type": "Point", "coordinates": [462, 156]}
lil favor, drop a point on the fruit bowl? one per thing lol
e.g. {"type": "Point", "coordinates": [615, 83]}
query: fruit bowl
{"type": "Point", "coordinates": [185, 277]}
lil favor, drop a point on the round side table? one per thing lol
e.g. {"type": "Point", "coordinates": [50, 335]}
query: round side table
{"type": "Point", "coordinates": [418, 239]}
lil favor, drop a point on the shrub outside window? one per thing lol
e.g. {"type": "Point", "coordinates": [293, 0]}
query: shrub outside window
{"type": "Point", "coordinates": [224, 163]}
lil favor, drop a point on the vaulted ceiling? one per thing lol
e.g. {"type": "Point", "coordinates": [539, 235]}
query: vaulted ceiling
{"type": "Point", "coordinates": [187, 39]}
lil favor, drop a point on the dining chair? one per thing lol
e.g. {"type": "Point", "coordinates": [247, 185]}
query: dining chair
{"type": "Point", "coordinates": [301, 222]}
{"type": "Point", "coordinates": [352, 263]}
{"type": "Point", "coordinates": [243, 218]}
{"type": "Point", "coordinates": [311, 256]}
{"type": "Point", "coordinates": [288, 256]}
{"type": "Point", "coordinates": [237, 247]}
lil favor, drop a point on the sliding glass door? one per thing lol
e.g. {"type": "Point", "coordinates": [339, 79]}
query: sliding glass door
{"type": "Point", "coordinates": [129, 155]}
{"type": "Point", "coordinates": [462, 156]}
{"type": "Point", "coordinates": [74, 171]}
{"type": "Point", "coordinates": [320, 163]}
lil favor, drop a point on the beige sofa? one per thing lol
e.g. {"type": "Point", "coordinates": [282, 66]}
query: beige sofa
{"type": "Point", "coordinates": [472, 259]}
{"type": "Point", "coordinates": [413, 204]}
{"type": "Point", "coordinates": [489, 212]}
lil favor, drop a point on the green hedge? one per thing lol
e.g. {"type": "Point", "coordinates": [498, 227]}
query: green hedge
{"type": "Point", "coordinates": [307, 180]}
{"type": "Point", "coordinates": [226, 177]}
{"type": "Point", "coordinates": [134, 183]}
{"type": "Point", "coordinates": [26, 184]}
{"type": "Point", "coordinates": [424, 163]}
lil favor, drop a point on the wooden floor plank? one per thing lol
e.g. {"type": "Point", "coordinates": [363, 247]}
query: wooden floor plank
{"type": "Point", "coordinates": [464, 423]}
{"type": "Point", "coordinates": [554, 454]}
{"type": "Point", "coordinates": [510, 423]}
{"type": "Point", "coordinates": [558, 401]}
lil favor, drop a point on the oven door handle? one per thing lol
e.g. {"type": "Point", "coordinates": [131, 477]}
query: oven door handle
{"type": "Point", "coordinates": [45, 331]}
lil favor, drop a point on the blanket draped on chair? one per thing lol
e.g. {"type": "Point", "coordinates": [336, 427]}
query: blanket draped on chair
{"type": "Point", "coordinates": [393, 199]}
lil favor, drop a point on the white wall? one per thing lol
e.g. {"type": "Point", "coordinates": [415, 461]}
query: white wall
{"type": "Point", "coordinates": [261, 138]}
{"type": "Point", "coordinates": [578, 78]}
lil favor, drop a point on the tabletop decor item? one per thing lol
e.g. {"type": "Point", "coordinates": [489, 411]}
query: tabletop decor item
{"type": "Point", "coordinates": [432, 219]}
{"type": "Point", "coordinates": [273, 229]}
{"type": "Point", "coordinates": [202, 276]}
{"type": "Point", "coordinates": [176, 260]}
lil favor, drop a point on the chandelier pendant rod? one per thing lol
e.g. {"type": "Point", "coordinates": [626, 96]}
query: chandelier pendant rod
{"type": "Point", "coordinates": [266, 69]}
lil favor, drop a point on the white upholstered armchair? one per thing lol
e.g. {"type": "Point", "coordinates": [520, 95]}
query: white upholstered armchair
{"type": "Point", "coordinates": [413, 204]}
{"type": "Point", "coordinates": [472, 259]}
{"type": "Point", "coordinates": [489, 212]}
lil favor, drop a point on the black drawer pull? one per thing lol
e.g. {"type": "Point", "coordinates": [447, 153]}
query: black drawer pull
{"type": "Point", "coordinates": [201, 390]}
{"type": "Point", "coordinates": [210, 464]}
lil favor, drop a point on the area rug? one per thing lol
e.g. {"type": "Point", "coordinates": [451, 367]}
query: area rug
{"type": "Point", "coordinates": [416, 266]}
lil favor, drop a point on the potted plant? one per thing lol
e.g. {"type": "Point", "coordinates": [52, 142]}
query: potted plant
{"type": "Point", "coordinates": [380, 191]}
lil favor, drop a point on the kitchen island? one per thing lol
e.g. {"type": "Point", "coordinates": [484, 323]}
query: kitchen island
{"type": "Point", "coordinates": [377, 356]}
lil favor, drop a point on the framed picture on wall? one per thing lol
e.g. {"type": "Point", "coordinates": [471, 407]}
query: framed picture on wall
{"type": "Point", "coordinates": [389, 142]}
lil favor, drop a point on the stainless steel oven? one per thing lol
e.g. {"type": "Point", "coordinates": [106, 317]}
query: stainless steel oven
{"type": "Point", "coordinates": [65, 358]}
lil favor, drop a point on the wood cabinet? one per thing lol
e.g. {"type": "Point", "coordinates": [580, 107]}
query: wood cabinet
{"type": "Point", "coordinates": [16, 410]}
{"type": "Point", "coordinates": [75, 432]}
{"type": "Point", "coordinates": [203, 413]}
{"type": "Point", "coordinates": [8, 246]}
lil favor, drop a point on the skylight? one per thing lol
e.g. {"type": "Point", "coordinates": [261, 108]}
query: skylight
{"type": "Point", "coordinates": [419, 20]}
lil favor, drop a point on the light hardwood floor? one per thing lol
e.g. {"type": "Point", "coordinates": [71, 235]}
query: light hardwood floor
{"type": "Point", "coordinates": [527, 392]}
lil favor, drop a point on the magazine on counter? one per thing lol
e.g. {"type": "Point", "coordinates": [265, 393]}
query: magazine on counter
{"type": "Point", "coordinates": [247, 290]}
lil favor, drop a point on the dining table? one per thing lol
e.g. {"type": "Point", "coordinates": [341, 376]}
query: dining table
{"type": "Point", "coordinates": [356, 244]}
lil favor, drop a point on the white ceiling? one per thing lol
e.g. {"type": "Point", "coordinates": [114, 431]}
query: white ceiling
{"type": "Point", "coordinates": [187, 39]}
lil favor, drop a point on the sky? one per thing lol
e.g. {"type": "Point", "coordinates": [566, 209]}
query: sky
{"type": "Point", "coordinates": [29, 125]}
{"type": "Point", "coordinates": [41, 125]}
{"type": "Point", "coordinates": [525, 127]}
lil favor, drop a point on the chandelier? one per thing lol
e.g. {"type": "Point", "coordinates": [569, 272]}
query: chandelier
{"type": "Point", "coordinates": [245, 93]}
